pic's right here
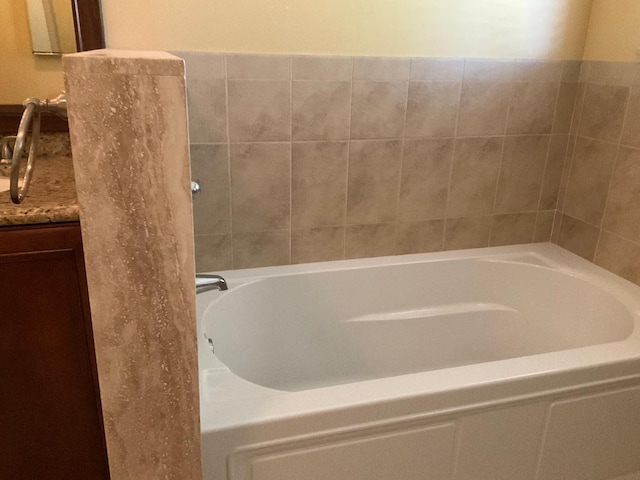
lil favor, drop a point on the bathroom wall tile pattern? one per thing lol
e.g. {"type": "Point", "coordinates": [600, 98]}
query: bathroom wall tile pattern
{"type": "Point", "coordinates": [378, 109]}
{"type": "Point", "coordinates": [259, 110]}
{"type": "Point", "coordinates": [469, 232]}
{"type": "Point", "coordinates": [426, 171]}
{"type": "Point", "coordinates": [599, 196]}
{"type": "Point", "coordinates": [521, 173]}
{"type": "Point", "coordinates": [589, 179]}
{"type": "Point", "coordinates": [260, 182]}
{"type": "Point", "coordinates": [320, 110]}
{"type": "Point", "coordinates": [319, 183]}
{"type": "Point", "coordinates": [374, 179]}
{"type": "Point", "coordinates": [483, 108]}
{"type": "Point", "coordinates": [340, 157]}
{"type": "Point", "coordinates": [317, 244]}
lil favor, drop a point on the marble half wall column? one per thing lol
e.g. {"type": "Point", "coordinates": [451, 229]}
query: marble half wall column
{"type": "Point", "coordinates": [127, 116]}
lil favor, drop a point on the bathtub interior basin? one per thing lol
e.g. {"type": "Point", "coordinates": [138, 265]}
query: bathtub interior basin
{"type": "Point", "coordinates": [342, 323]}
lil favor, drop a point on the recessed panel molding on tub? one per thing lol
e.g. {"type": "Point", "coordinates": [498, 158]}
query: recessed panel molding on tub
{"type": "Point", "coordinates": [511, 362]}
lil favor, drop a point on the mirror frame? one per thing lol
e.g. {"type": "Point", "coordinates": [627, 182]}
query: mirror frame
{"type": "Point", "coordinates": [87, 22]}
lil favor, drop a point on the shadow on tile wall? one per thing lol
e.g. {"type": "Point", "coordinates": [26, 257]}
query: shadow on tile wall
{"type": "Point", "coordinates": [313, 158]}
{"type": "Point", "coordinates": [600, 191]}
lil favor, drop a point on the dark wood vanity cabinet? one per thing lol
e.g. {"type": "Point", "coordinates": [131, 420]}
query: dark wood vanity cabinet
{"type": "Point", "coordinates": [50, 417]}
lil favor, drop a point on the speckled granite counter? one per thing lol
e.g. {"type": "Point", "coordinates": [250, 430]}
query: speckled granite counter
{"type": "Point", "coordinates": [51, 197]}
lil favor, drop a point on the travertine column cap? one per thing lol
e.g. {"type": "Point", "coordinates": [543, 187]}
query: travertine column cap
{"type": "Point", "coordinates": [123, 62]}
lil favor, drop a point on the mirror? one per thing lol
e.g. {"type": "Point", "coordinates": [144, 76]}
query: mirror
{"type": "Point", "coordinates": [51, 26]}
{"type": "Point", "coordinates": [28, 75]}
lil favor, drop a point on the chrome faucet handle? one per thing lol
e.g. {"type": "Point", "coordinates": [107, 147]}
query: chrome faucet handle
{"type": "Point", "coordinates": [57, 105]}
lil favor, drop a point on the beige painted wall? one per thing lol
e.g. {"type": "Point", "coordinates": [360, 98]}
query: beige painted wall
{"type": "Point", "coordinates": [25, 75]}
{"type": "Point", "coordinates": [614, 31]}
{"type": "Point", "coordinates": [551, 29]}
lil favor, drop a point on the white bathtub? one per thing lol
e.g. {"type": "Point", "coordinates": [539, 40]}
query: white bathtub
{"type": "Point", "coordinates": [502, 363]}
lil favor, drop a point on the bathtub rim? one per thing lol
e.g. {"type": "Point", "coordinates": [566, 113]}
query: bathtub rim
{"type": "Point", "coordinates": [520, 377]}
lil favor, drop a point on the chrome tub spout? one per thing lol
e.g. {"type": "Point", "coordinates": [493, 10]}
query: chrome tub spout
{"type": "Point", "coordinates": [207, 282]}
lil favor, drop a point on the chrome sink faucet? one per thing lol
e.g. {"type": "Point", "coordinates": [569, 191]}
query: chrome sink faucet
{"type": "Point", "coordinates": [206, 282]}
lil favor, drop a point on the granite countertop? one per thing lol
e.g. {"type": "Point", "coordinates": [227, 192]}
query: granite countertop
{"type": "Point", "coordinates": [51, 197]}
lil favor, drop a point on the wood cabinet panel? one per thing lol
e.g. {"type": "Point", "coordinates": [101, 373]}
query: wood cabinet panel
{"type": "Point", "coordinates": [50, 418]}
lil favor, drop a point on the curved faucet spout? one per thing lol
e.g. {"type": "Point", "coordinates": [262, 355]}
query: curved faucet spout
{"type": "Point", "coordinates": [206, 282]}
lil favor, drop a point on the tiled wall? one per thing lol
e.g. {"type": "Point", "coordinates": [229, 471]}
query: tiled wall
{"type": "Point", "coordinates": [600, 197]}
{"type": "Point", "coordinates": [307, 159]}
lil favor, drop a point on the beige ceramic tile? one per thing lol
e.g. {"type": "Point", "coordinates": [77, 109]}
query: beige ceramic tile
{"type": "Point", "coordinates": [567, 96]}
{"type": "Point", "coordinates": [320, 110]}
{"type": "Point", "coordinates": [318, 183]}
{"type": "Point", "coordinates": [321, 67]}
{"type": "Point", "coordinates": [483, 108]}
{"type": "Point", "coordinates": [419, 237]}
{"type": "Point", "coordinates": [374, 173]}
{"type": "Point", "coordinates": [213, 252]}
{"type": "Point", "coordinates": [619, 256]}
{"type": "Point", "coordinates": [261, 249]}
{"type": "Point", "coordinates": [544, 226]}
{"type": "Point", "coordinates": [259, 110]}
{"type": "Point", "coordinates": [538, 71]}
{"type": "Point", "coordinates": [207, 107]}
{"type": "Point", "coordinates": [553, 172]}
{"type": "Point", "coordinates": [381, 69]}
{"type": "Point", "coordinates": [474, 177]}
{"type": "Point", "coordinates": [531, 108]}
{"type": "Point", "coordinates": [585, 68]}
{"type": "Point", "coordinates": [578, 109]}
{"type": "Point", "coordinates": [432, 109]}
{"type": "Point", "coordinates": [211, 208]}
{"type": "Point", "coordinates": [436, 70]}
{"type": "Point", "coordinates": [479, 70]}
{"type": "Point", "coordinates": [622, 215]}
{"type": "Point", "coordinates": [378, 109]}
{"type": "Point", "coordinates": [612, 73]}
{"type": "Point", "coordinates": [364, 241]}
{"type": "Point", "coordinates": [203, 64]}
{"type": "Point", "coordinates": [588, 183]}
{"type": "Point", "coordinates": [521, 174]}
{"type": "Point", "coordinates": [566, 170]}
{"type": "Point", "coordinates": [257, 67]}
{"type": "Point", "coordinates": [317, 245]}
{"type": "Point", "coordinates": [426, 168]}
{"type": "Point", "coordinates": [631, 133]}
{"type": "Point", "coordinates": [555, 231]}
{"type": "Point", "coordinates": [571, 71]}
{"type": "Point", "coordinates": [512, 229]}
{"type": "Point", "coordinates": [578, 237]}
{"type": "Point", "coordinates": [260, 178]}
{"type": "Point", "coordinates": [603, 112]}
{"type": "Point", "coordinates": [470, 232]}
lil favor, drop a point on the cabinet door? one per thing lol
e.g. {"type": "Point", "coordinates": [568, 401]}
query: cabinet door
{"type": "Point", "coordinates": [50, 416]}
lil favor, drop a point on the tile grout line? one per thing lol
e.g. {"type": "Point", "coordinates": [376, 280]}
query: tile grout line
{"type": "Point", "coordinates": [346, 187]}
{"type": "Point", "coordinates": [402, 149]}
{"type": "Point", "coordinates": [546, 165]}
{"type": "Point", "coordinates": [544, 177]}
{"type": "Point", "coordinates": [557, 217]}
{"type": "Point", "coordinates": [290, 63]}
{"type": "Point", "coordinates": [228, 145]}
{"type": "Point", "coordinates": [453, 159]}
{"type": "Point", "coordinates": [506, 125]}
{"type": "Point", "coordinates": [577, 119]}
